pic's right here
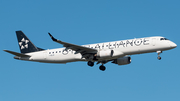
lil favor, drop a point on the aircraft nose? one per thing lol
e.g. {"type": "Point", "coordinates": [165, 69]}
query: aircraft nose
{"type": "Point", "coordinates": [173, 45]}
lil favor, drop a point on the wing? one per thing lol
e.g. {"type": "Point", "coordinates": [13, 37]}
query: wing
{"type": "Point", "coordinates": [77, 48]}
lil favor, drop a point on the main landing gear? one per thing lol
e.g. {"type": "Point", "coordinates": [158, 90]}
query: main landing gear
{"type": "Point", "coordinates": [102, 67]}
{"type": "Point", "coordinates": [159, 52]}
{"type": "Point", "coordinates": [91, 64]}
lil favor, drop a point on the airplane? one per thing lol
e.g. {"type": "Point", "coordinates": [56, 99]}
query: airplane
{"type": "Point", "coordinates": [117, 52]}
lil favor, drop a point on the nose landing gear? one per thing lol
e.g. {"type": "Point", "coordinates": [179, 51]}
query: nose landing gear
{"type": "Point", "coordinates": [159, 52]}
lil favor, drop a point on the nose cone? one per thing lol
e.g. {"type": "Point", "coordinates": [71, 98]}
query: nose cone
{"type": "Point", "coordinates": [173, 45]}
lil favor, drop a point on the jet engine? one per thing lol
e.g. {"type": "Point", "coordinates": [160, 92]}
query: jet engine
{"type": "Point", "coordinates": [122, 61]}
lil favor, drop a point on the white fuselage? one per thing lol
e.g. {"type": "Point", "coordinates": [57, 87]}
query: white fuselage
{"type": "Point", "coordinates": [124, 47]}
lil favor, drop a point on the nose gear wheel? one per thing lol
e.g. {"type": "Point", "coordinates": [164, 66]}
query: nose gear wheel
{"type": "Point", "coordinates": [159, 52]}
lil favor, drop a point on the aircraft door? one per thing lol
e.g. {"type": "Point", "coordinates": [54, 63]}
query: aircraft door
{"type": "Point", "coordinates": [45, 54]}
{"type": "Point", "coordinates": [153, 41]}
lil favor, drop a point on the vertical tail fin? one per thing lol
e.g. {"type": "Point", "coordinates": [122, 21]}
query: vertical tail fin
{"type": "Point", "coordinates": [25, 45]}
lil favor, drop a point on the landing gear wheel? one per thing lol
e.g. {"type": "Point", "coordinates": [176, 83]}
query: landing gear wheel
{"type": "Point", "coordinates": [103, 68]}
{"type": "Point", "coordinates": [159, 58]}
{"type": "Point", "coordinates": [159, 52]}
{"type": "Point", "coordinates": [90, 63]}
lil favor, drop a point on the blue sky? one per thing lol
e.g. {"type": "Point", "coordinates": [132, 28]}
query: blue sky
{"type": "Point", "coordinates": [84, 22]}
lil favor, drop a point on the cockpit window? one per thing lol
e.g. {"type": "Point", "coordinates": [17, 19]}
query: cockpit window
{"type": "Point", "coordinates": [163, 39]}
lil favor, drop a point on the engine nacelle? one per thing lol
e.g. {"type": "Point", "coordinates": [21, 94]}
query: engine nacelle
{"type": "Point", "coordinates": [122, 61]}
{"type": "Point", "coordinates": [105, 54]}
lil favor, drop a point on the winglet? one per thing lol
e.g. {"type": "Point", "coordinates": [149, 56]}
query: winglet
{"type": "Point", "coordinates": [54, 39]}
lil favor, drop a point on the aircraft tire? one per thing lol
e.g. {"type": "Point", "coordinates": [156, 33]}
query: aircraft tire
{"type": "Point", "coordinates": [103, 68]}
{"type": "Point", "coordinates": [159, 58]}
{"type": "Point", "coordinates": [90, 63]}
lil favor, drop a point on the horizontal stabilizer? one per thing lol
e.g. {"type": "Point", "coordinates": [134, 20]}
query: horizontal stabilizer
{"type": "Point", "coordinates": [17, 54]}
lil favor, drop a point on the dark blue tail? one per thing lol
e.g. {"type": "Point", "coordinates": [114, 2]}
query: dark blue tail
{"type": "Point", "coordinates": [25, 45]}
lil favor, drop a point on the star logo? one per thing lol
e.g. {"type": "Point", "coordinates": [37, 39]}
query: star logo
{"type": "Point", "coordinates": [24, 43]}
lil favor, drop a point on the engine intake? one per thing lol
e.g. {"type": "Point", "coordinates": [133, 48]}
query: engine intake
{"type": "Point", "coordinates": [122, 61]}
